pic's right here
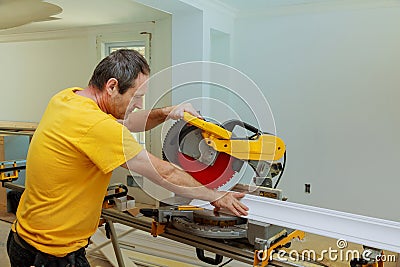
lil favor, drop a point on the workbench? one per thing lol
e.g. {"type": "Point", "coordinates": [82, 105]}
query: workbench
{"type": "Point", "coordinates": [238, 252]}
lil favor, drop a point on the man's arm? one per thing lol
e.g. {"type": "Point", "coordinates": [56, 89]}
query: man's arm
{"type": "Point", "coordinates": [168, 176]}
{"type": "Point", "coordinates": [144, 120]}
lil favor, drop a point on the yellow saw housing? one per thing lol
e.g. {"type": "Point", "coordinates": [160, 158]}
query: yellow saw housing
{"type": "Point", "coordinates": [264, 147]}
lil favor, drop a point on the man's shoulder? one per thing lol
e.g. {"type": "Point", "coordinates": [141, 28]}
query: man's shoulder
{"type": "Point", "coordinates": [67, 109]}
{"type": "Point", "coordinates": [67, 92]}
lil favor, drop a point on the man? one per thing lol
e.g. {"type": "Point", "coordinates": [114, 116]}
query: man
{"type": "Point", "coordinates": [77, 145]}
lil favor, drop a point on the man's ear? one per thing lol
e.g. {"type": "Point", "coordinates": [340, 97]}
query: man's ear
{"type": "Point", "coordinates": [111, 85]}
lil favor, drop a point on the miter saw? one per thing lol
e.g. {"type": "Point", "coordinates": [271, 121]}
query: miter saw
{"type": "Point", "coordinates": [213, 154]}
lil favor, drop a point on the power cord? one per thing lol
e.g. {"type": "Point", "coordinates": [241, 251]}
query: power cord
{"type": "Point", "coordinates": [283, 168]}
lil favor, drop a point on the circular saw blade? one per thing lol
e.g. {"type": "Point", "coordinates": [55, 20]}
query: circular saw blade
{"type": "Point", "coordinates": [185, 147]}
{"type": "Point", "coordinates": [211, 176]}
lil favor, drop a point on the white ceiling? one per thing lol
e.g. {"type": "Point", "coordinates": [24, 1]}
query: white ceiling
{"type": "Point", "coordinates": [86, 13]}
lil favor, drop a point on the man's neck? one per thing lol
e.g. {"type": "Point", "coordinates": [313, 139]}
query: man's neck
{"type": "Point", "coordinates": [95, 95]}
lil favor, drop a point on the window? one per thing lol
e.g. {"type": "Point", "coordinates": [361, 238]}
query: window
{"type": "Point", "coordinates": [113, 46]}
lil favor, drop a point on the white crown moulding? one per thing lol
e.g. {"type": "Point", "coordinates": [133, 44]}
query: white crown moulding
{"type": "Point", "coordinates": [363, 230]}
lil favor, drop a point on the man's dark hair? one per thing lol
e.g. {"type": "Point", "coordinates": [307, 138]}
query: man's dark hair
{"type": "Point", "coordinates": [123, 65]}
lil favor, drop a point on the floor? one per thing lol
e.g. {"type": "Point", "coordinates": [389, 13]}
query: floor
{"type": "Point", "coordinates": [4, 230]}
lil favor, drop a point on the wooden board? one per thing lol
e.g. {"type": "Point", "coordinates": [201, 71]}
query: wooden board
{"type": "Point", "coordinates": [17, 128]}
{"type": "Point", "coordinates": [18, 125]}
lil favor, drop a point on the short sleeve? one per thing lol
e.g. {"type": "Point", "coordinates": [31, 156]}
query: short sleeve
{"type": "Point", "coordinates": [108, 144]}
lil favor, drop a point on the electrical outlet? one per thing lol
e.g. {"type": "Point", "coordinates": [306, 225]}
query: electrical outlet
{"type": "Point", "coordinates": [307, 188]}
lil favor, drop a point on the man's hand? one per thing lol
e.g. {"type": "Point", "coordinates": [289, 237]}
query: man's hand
{"type": "Point", "coordinates": [176, 112]}
{"type": "Point", "coordinates": [144, 120]}
{"type": "Point", "coordinates": [231, 201]}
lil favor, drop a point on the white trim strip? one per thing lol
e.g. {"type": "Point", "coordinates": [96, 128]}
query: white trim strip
{"type": "Point", "coordinates": [374, 232]}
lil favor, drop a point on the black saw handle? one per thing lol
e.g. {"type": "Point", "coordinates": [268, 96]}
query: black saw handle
{"type": "Point", "coordinates": [200, 255]}
{"type": "Point", "coordinates": [230, 125]}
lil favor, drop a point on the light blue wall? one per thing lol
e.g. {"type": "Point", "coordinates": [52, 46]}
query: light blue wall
{"type": "Point", "coordinates": [16, 148]}
{"type": "Point", "coordinates": [332, 81]}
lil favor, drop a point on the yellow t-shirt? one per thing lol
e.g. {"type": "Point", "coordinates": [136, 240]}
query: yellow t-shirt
{"type": "Point", "coordinates": [69, 165]}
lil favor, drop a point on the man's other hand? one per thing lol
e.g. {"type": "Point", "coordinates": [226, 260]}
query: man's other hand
{"type": "Point", "coordinates": [231, 202]}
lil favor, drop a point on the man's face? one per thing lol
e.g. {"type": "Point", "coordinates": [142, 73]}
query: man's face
{"type": "Point", "coordinates": [131, 99]}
